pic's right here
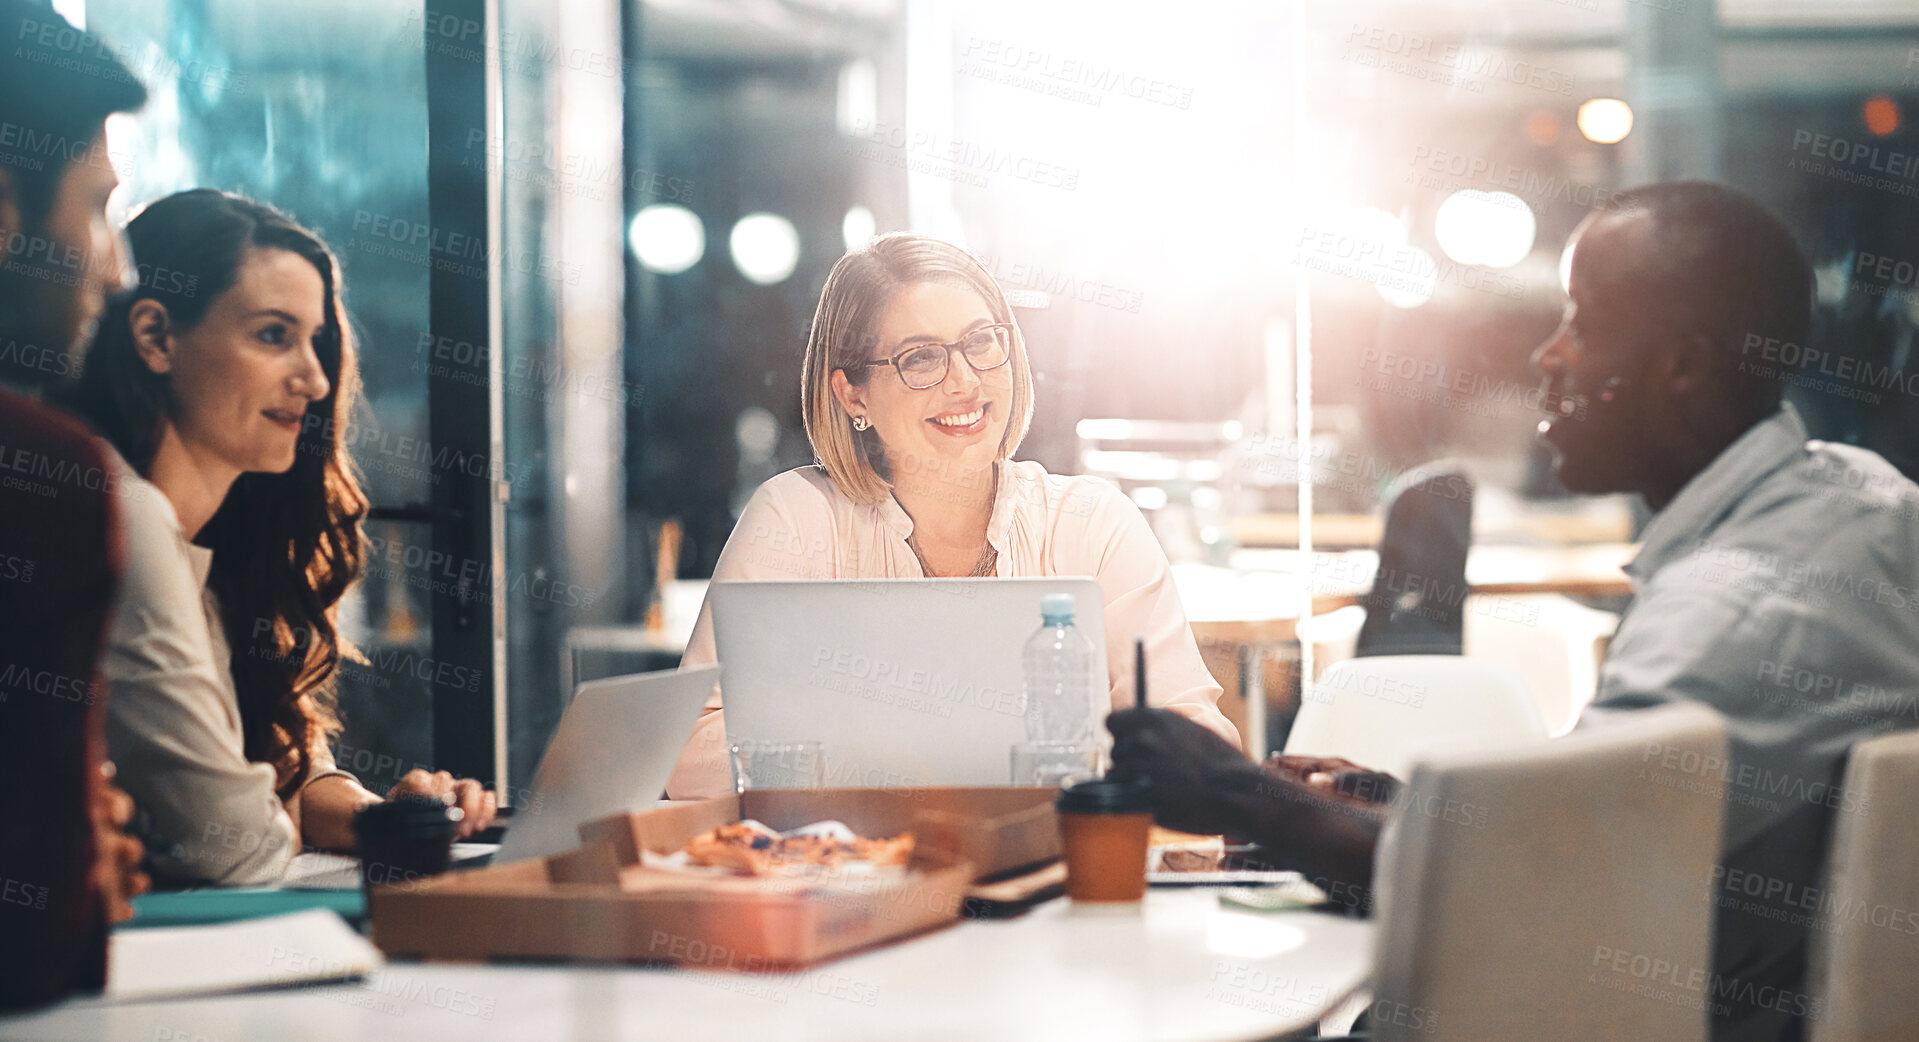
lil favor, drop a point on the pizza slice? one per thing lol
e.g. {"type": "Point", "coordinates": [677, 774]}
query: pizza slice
{"type": "Point", "coordinates": [745, 846]}
{"type": "Point", "coordinates": [833, 852]}
{"type": "Point", "coordinates": [751, 848]}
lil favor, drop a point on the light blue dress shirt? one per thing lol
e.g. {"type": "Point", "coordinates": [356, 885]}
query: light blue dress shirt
{"type": "Point", "coordinates": [1781, 588]}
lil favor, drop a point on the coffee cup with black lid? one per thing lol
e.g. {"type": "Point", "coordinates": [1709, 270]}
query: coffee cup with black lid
{"type": "Point", "coordinates": [1105, 825]}
{"type": "Point", "coordinates": [405, 839]}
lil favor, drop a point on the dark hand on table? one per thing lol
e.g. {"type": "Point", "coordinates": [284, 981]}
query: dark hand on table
{"type": "Point", "coordinates": [1193, 770]}
{"type": "Point", "coordinates": [117, 856]}
{"type": "Point", "coordinates": [1335, 774]}
{"type": "Point", "coordinates": [477, 804]}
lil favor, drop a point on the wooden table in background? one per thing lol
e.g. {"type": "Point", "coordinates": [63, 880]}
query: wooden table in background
{"type": "Point", "coordinates": [1362, 531]}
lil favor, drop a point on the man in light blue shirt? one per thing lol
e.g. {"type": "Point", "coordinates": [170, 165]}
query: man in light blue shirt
{"type": "Point", "coordinates": [1778, 582]}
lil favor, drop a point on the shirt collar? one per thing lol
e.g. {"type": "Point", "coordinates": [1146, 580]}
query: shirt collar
{"type": "Point", "coordinates": [130, 483]}
{"type": "Point", "coordinates": [896, 516]}
{"type": "Point", "coordinates": [1005, 492]}
{"type": "Point", "coordinates": [1711, 494]}
{"type": "Point", "coordinates": [1005, 497]}
{"type": "Point", "coordinates": [199, 557]}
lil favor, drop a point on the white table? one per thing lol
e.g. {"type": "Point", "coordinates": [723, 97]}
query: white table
{"type": "Point", "coordinates": [1254, 606]}
{"type": "Point", "coordinates": [1181, 968]}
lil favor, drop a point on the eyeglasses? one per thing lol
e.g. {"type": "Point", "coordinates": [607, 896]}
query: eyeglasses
{"type": "Point", "coordinates": [925, 365]}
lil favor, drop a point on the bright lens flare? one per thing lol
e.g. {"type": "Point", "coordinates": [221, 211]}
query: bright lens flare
{"type": "Point", "coordinates": [1373, 225]}
{"type": "Point", "coordinates": [1605, 120]}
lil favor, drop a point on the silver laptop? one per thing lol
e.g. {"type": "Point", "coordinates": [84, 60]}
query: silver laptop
{"type": "Point", "coordinates": [613, 751]}
{"type": "Point", "coordinates": [902, 681]}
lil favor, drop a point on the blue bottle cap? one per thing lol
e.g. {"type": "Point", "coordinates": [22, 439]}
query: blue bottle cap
{"type": "Point", "coordinates": [1057, 606]}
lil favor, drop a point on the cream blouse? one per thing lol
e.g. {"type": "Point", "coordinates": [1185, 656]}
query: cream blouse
{"type": "Point", "coordinates": [799, 525]}
{"type": "Point", "coordinates": [205, 812]}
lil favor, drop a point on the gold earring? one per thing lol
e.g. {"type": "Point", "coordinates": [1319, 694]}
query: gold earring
{"type": "Point", "coordinates": [860, 423]}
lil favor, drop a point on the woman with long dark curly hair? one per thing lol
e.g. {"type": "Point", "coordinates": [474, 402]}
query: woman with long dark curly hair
{"type": "Point", "coordinates": [225, 382]}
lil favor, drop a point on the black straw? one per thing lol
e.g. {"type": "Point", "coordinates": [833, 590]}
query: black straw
{"type": "Point", "coordinates": [1139, 672]}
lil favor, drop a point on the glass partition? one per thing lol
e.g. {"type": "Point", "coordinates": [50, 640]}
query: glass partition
{"type": "Point", "coordinates": [1275, 264]}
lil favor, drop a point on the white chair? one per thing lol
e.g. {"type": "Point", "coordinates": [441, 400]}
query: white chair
{"type": "Point", "coordinates": [1334, 635]}
{"type": "Point", "coordinates": [1550, 640]}
{"type": "Point", "coordinates": [1554, 890]}
{"type": "Point", "coordinates": [1864, 968]}
{"type": "Point", "coordinates": [1379, 711]}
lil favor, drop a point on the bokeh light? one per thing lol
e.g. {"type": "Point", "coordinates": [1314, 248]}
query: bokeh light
{"type": "Point", "coordinates": [858, 227]}
{"type": "Point", "coordinates": [1605, 120]}
{"type": "Point", "coordinates": [1490, 229]}
{"type": "Point", "coordinates": [1882, 115]}
{"type": "Point", "coordinates": [1542, 128]}
{"type": "Point", "coordinates": [668, 239]}
{"type": "Point", "coordinates": [766, 247]}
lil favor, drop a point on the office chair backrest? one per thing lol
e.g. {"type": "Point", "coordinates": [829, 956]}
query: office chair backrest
{"type": "Point", "coordinates": [1557, 890]}
{"type": "Point", "coordinates": [1418, 601]}
{"type": "Point", "coordinates": [1864, 970]}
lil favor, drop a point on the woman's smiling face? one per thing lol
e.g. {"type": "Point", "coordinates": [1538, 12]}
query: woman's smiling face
{"type": "Point", "coordinates": [956, 425]}
{"type": "Point", "coordinates": [244, 375]}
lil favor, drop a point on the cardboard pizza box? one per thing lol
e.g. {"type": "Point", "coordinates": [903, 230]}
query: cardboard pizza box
{"type": "Point", "coordinates": [600, 904]}
{"type": "Point", "coordinates": [996, 829]}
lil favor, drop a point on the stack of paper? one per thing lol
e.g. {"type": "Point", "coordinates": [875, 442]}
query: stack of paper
{"type": "Point", "coordinates": [167, 961]}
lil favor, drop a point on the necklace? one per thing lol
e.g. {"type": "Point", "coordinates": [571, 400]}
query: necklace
{"type": "Point", "coordinates": [985, 566]}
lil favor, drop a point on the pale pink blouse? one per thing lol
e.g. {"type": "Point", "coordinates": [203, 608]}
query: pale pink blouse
{"type": "Point", "coordinates": [800, 526]}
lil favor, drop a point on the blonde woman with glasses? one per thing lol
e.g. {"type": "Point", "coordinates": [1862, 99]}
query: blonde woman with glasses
{"type": "Point", "coordinates": [916, 392]}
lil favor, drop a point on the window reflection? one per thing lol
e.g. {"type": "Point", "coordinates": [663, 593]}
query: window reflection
{"type": "Point", "coordinates": [260, 101]}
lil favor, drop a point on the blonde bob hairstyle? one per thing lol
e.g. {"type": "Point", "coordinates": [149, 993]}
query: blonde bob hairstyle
{"type": "Point", "coordinates": [857, 290]}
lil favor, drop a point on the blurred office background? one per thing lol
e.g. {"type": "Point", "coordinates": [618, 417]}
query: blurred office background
{"type": "Point", "coordinates": [1265, 255]}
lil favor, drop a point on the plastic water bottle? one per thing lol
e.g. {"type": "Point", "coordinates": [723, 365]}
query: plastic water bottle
{"type": "Point", "coordinates": [1058, 663]}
